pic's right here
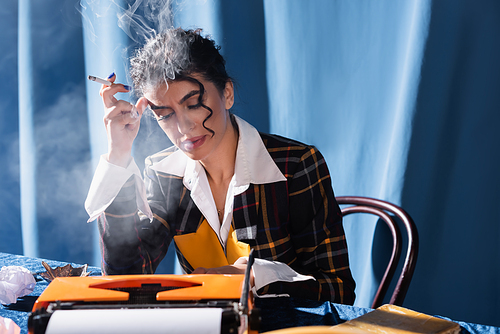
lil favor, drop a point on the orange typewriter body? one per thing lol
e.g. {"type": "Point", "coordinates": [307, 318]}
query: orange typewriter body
{"type": "Point", "coordinates": [145, 291]}
{"type": "Point", "coordinates": [117, 288]}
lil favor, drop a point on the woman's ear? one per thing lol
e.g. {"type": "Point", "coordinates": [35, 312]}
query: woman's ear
{"type": "Point", "coordinates": [229, 94]}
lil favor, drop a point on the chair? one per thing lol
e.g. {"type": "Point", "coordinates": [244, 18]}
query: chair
{"type": "Point", "coordinates": [388, 212]}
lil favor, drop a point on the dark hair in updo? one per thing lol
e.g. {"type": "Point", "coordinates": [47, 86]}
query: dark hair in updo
{"type": "Point", "coordinates": [177, 54]}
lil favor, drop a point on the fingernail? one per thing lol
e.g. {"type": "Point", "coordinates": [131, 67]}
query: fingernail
{"type": "Point", "coordinates": [127, 87]}
{"type": "Point", "coordinates": [111, 75]}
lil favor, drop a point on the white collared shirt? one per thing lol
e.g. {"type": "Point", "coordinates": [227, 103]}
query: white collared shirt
{"type": "Point", "coordinates": [253, 165]}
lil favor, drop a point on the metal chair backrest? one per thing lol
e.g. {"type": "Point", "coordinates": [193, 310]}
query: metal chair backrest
{"type": "Point", "coordinates": [387, 212]}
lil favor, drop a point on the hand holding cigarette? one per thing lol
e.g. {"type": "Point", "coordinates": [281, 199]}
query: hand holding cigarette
{"type": "Point", "coordinates": [122, 120]}
{"type": "Point", "coordinates": [102, 81]}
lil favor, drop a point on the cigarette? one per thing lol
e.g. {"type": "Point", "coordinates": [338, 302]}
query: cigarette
{"type": "Point", "coordinates": [99, 80]}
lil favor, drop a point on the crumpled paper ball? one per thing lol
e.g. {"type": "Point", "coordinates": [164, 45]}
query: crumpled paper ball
{"type": "Point", "coordinates": [8, 326]}
{"type": "Point", "coordinates": [15, 282]}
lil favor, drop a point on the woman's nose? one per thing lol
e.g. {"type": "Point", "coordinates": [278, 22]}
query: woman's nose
{"type": "Point", "coordinates": [185, 124]}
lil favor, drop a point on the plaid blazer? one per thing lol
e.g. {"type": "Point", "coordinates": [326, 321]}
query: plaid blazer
{"type": "Point", "coordinates": [297, 222]}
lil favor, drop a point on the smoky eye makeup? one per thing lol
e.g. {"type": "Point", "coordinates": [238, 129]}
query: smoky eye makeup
{"type": "Point", "coordinates": [155, 108]}
{"type": "Point", "coordinates": [194, 106]}
{"type": "Point", "coordinates": [193, 103]}
{"type": "Point", "coordinates": [192, 100]}
{"type": "Point", "coordinates": [164, 117]}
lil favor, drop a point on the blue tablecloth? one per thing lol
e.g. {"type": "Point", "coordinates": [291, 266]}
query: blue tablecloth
{"type": "Point", "coordinates": [276, 312]}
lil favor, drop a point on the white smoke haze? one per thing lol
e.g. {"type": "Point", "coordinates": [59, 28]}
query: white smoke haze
{"type": "Point", "coordinates": [144, 19]}
{"type": "Point", "coordinates": [139, 19]}
{"type": "Point", "coordinates": [146, 23]}
{"type": "Point", "coordinates": [9, 191]}
{"type": "Point", "coordinates": [159, 61]}
{"type": "Point", "coordinates": [10, 230]}
{"type": "Point", "coordinates": [61, 139]}
{"type": "Point", "coordinates": [94, 11]}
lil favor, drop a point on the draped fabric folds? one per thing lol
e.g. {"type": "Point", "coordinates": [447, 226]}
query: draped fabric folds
{"type": "Point", "coordinates": [352, 94]}
{"type": "Point", "coordinates": [400, 97]}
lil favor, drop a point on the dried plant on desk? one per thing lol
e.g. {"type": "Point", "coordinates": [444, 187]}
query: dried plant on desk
{"type": "Point", "coordinates": [65, 271]}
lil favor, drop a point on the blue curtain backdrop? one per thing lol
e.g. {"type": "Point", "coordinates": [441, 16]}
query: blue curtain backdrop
{"type": "Point", "coordinates": [400, 97]}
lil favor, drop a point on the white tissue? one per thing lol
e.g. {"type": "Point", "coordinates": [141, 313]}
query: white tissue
{"type": "Point", "coordinates": [15, 282]}
{"type": "Point", "coordinates": [8, 326]}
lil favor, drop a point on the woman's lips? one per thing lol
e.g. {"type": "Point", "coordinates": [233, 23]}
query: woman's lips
{"type": "Point", "coordinates": [193, 143]}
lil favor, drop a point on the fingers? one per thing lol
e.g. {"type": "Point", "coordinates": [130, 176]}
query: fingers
{"type": "Point", "coordinates": [199, 270]}
{"type": "Point", "coordinates": [120, 110]}
{"type": "Point", "coordinates": [238, 267]}
{"type": "Point", "coordinates": [123, 112]}
{"type": "Point", "coordinates": [107, 92]}
{"type": "Point", "coordinates": [230, 269]}
{"type": "Point", "coordinates": [141, 105]}
{"type": "Point", "coordinates": [111, 77]}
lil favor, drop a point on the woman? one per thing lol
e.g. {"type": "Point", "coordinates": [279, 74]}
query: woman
{"type": "Point", "coordinates": [223, 187]}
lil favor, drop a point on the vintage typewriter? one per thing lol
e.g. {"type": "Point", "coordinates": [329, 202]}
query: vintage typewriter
{"type": "Point", "coordinates": [146, 304]}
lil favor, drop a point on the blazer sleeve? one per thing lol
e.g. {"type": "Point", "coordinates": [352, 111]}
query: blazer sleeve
{"type": "Point", "coordinates": [317, 235]}
{"type": "Point", "coordinates": [130, 242]}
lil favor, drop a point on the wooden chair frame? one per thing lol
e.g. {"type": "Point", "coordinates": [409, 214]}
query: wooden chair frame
{"type": "Point", "coordinates": [387, 211]}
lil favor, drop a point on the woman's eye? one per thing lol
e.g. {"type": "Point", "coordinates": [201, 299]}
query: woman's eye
{"type": "Point", "coordinates": [194, 106]}
{"type": "Point", "coordinates": [164, 117]}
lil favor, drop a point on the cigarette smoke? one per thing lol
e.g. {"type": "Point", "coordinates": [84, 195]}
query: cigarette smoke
{"type": "Point", "coordinates": [145, 22]}
{"type": "Point", "coordinates": [10, 230]}
{"type": "Point", "coordinates": [142, 21]}
{"type": "Point", "coordinates": [63, 171]}
{"type": "Point", "coordinates": [139, 19]}
{"type": "Point", "coordinates": [159, 61]}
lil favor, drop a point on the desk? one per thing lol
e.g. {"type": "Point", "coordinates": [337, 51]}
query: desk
{"type": "Point", "coordinates": [276, 312]}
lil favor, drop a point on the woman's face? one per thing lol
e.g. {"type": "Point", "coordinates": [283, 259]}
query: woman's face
{"type": "Point", "coordinates": [181, 115]}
